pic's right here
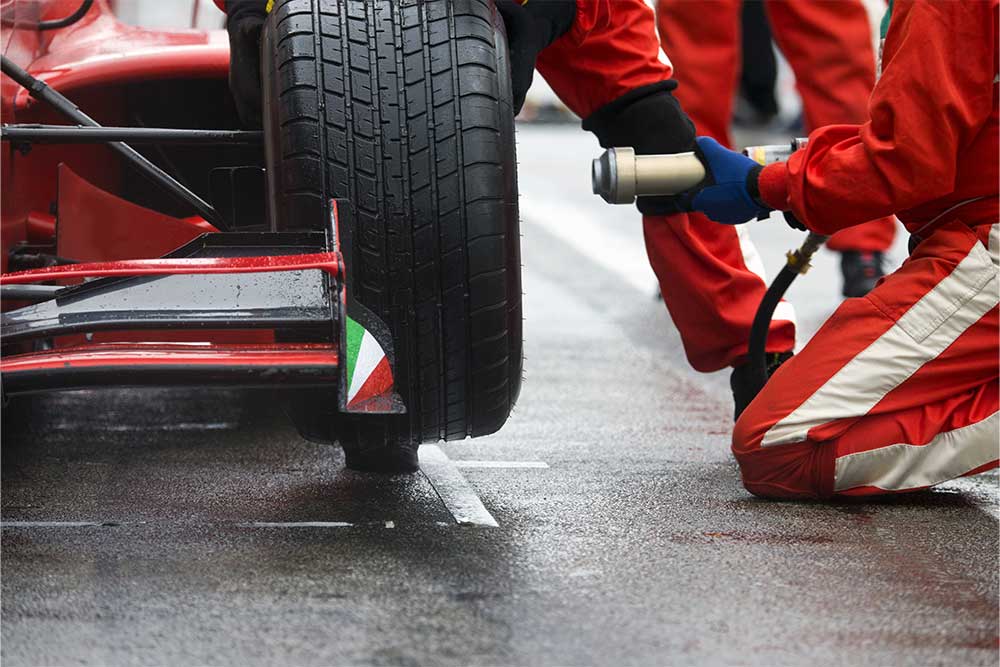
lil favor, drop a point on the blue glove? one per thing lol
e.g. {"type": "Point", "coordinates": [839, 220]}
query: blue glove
{"type": "Point", "coordinates": [730, 193]}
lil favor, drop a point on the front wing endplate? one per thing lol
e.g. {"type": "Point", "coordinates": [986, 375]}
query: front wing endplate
{"type": "Point", "coordinates": [367, 383]}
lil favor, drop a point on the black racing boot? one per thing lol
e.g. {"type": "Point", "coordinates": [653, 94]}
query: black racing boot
{"type": "Point", "coordinates": [861, 270]}
{"type": "Point", "coordinates": [743, 386]}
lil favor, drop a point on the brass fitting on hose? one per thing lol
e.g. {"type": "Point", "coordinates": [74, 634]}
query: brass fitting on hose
{"type": "Point", "coordinates": [798, 260]}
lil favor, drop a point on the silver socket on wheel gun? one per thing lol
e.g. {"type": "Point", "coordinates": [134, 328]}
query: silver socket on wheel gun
{"type": "Point", "coordinates": [619, 175]}
{"type": "Point", "coordinates": [771, 153]}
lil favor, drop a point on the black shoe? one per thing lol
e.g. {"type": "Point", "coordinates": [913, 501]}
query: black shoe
{"type": "Point", "coordinates": [742, 383]}
{"type": "Point", "coordinates": [862, 270]}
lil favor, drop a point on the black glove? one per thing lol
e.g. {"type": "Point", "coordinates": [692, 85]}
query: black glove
{"type": "Point", "coordinates": [650, 120]}
{"type": "Point", "coordinates": [791, 220]}
{"type": "Point", "coordinates": [530, 28]}
{"type": "Point", "coordinates": [245, 19]}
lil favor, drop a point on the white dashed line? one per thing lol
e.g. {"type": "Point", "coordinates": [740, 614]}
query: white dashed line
{"type": "Point", "coordinates": [147, 428]}
{"type": "Point", "coordinates": [500, 464]}
{"type": "Point", "coordinates": [295, 524]}
{"type": "Point", "coordinates": [51, 524]}
{"type": "Point", "coordinates": [453, 489]}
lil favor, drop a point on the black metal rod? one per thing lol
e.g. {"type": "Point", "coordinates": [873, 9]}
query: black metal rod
{"type": "Point", "coordinates": [32, 293]}
{"type": "Point", "coordinates": [72, 134]}
{"type": "Point", "coordinates": [40, 91]}
{"type": "Point", "coordinates": [68, 20]}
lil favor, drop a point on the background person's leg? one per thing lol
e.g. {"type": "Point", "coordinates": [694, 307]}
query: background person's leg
{"type": "Point", "coordinates": [829, 47]}
{"type": "Point", "coordinates": [702, 40]}
{"type": "Point", "coordinates": [897, 391]}
{"type": "Point", "coordinates": [874, 236]}
{"type": "Point", "coordinates": [759, 71]}
{"type": "Point", "coordinates": [862, 254]}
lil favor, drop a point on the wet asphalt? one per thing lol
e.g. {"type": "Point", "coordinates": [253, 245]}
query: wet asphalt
{"type": "Point", "coordinates": [165, 527]}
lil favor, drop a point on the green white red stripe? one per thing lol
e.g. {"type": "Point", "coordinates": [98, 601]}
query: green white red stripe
{"type": "Point", "coordinates": [368, 371]}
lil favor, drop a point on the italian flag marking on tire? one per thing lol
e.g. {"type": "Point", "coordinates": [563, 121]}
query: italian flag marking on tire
{"type": "Point", "coordinates": [368, 371]}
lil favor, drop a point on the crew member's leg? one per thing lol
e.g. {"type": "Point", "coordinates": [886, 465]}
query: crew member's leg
{"type": "Point", "coordinates": [874, 236]}
{"type": "Point", "coordinates": [759, 67]}
{"type": "Point", "coordinates": [702, 267]}
{"type": "Point", "coordinates": [862, 251]}
{"type": "Point", "coordinates": [702, 40]}
{"type": "Point", "coordinates": [711, 278]}
{"type": "Point", "coordinates": [829, 46]}
{"type": "Point", "coordinates": [898, 391]}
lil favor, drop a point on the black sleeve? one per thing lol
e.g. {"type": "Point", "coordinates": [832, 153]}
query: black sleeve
{"type": "Point", "coordinates": [650, 120]}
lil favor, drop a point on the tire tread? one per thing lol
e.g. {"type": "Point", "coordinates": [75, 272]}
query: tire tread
{"type": "Point", "coordinates": [409, 106]}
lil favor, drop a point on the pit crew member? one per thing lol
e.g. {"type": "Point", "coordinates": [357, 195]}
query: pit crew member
{"type": "Point", "coordinates": [898, 390]}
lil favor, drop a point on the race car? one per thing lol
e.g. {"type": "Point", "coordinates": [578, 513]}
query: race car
{"type": "Point", "coordinates": [359, 256]}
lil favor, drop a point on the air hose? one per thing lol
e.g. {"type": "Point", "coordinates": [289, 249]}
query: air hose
{"type": "Point", "coordinates": [796, 264]}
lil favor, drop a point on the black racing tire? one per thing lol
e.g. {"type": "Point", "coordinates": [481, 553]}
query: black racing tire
{"type": "Point", "coordinates": [404, 108]}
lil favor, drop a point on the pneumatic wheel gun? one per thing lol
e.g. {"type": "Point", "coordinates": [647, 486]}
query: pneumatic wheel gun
{"type": "Point", "coordinates": [619, 175]}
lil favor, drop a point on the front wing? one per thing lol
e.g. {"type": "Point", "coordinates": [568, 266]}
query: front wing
{"type": "Point", "coordinates": [237, 309]}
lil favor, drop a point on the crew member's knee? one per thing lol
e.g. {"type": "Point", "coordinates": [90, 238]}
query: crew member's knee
{"type": "Point", "coordinates": [793, 470]}
{"type": "Point", "coordinates": [750, 428]}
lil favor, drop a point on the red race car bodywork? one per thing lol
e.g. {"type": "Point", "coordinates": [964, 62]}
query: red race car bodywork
{"type": "Point", "coordinates": [109, 280]}
{"type": "Point", "coordinates": [92, 61]}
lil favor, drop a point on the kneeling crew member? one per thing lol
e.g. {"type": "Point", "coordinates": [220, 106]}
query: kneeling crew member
{"type": "Point", "coordinates": [898, 390]}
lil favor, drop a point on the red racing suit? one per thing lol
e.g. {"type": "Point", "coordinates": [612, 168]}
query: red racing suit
{"type": "Point", "coordinates": [899, 389]}
{"type": "Point", "coordinates": [828, 45]}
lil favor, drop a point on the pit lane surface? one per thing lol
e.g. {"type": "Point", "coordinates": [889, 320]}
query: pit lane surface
{"type": "Point", "coordinates": [154, 527]}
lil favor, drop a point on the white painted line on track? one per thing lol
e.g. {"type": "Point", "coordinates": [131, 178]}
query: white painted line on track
{"type": "Point", "coordinates": [982, 491]}
{"type": "Point", "coordinates": [454, 490]}
{"type": "Point", "coordinates": [295, 524]}
{"type": "Point", "coordinates": [129, 428]}
{"type": "Point", "coordinates": [53, 524]}
{"type": "Point", "coordinates": [240, 524]}
{"type": "Point", "coordinates": [577, 228]}
{"type": "Point", "coordinates": [499, 464]}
